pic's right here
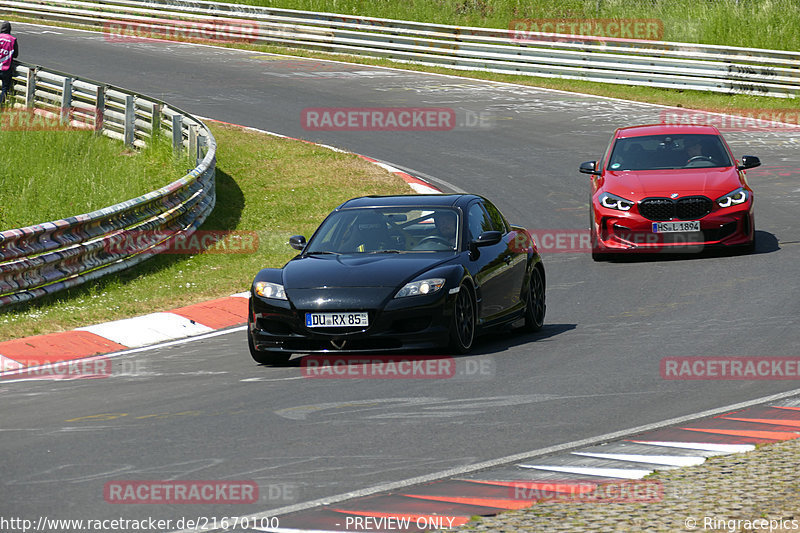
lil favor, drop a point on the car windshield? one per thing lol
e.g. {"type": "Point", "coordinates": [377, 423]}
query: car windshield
{"type": "Point", "coordinates": [387, 230]}
{"type": "Point", "coordinates": [659, 152]}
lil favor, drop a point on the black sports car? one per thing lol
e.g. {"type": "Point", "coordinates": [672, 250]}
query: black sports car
{"type": "Point", "coordinates": [398, 272]}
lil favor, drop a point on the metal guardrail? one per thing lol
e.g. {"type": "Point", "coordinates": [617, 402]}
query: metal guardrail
{"type": "Point", "coordinates": [714, 68]}
{"type": "Point", "coordinates": [49, 257]}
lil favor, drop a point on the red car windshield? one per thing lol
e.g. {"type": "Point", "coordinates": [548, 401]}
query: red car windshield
{"type": "Point", "coordinates": [661, 152]}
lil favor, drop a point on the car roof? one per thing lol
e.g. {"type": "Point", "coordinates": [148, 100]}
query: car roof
{"type": "Point", "coordinates": [662, 129]}
{"type": "Point", "coordinates": [429, 200]}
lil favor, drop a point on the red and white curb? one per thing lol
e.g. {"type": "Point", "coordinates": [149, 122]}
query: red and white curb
{"type": "Point", "coordinates": [123, 334]}
{"type": "Point", "coordinates": [420, 186]}
{"type": "Point", "coordinates": [154, 328]}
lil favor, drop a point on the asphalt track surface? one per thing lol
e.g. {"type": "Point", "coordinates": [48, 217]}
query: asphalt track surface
{"type": "Point", "coordinates": [204, 411]}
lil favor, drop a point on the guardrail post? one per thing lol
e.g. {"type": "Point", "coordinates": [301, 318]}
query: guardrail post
{"type": "Point", "coordinates": [130, 120]}
{"type": "Point", "coordinates": [193, 142]}
{"type": "Point", "coordinates": [177, 133]}
{"type": "Point", "coordinates": [202, 147]}
{"type": "Point", "coordinates": [66, 100]}
{"type": "Point", "coordinates": [155, 121]}
{"type": "Point", "coordinates": [30, 87]}
{"type": "Point", "coordinates": [99, 109]}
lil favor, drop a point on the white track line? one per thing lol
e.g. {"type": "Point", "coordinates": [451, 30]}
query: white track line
{"type": "Point", "coordinates": [722, 449]}
{"type": "Point", "coordinates": [621, 473]}
{"type": "Point", "coordinates": [669, 460]}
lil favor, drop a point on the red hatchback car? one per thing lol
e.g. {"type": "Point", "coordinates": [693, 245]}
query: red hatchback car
{"type": "Point", "coordinates": [674, 187]}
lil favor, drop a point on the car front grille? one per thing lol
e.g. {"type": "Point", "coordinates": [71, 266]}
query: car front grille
{"type": "Point", "coordinates": [689, 208]}
{"type": "Point", "coordinates": [657, 209]}
{"type": "Point", "coordinates": [692, 208]}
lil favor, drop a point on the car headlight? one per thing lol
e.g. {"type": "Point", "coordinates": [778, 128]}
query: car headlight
{"type": "Point", "coordinates": [612, 201]}
{"type": "Point", "coordinates": [266, 289]}
{"type": "Point", "coordinates": [425, 286]}
{"type": "Point", "coordinates": [739, 196]}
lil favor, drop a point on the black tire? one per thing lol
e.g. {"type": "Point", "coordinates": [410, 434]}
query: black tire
{"type": "Point", "coordinates": [266, 357]}
{"type": "Point", "coordinates": [535, 307]}
{"type": "Point", "coordinates": [462, 327]}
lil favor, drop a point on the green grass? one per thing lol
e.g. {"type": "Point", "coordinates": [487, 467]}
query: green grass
{"type": "Point", "coordinates": [48, 175]}
{"type": "Point", "coordinates": [752, 23]}
{"type": "Point", "coordinates": [275, 187]}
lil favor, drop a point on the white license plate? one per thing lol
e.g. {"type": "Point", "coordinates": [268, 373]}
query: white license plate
{"type": "Point", "coordinates": [336, 320]}
{"type": "Point", "coordinates": [676, 227]}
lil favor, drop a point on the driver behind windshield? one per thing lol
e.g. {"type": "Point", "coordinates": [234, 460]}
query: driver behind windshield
{"type": "Point", "coordinates": [695, 149]}
{"type": "Point", "coordinates": [705, 151]}
{"type": "Point", "coordinates": [446, 226]}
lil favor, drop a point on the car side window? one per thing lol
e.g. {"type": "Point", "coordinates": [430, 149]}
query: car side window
{"type": "Point", "coordinates": [498, 222]}
{"type": "Point", "coordinates": [329, 235]}
{"type": "Point", "coordinates": [479, 221]}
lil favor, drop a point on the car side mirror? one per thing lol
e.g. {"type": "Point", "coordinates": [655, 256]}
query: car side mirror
{"type": "Point", "coordinates": [749, 161]}
{"type": "Point", "coordinates": [298, 242]}
{"type": "Point", "coordinates": [488, 238]}
{"type": "Point", "coordinates": [590, 167]}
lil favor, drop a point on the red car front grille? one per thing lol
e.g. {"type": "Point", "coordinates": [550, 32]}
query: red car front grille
{"type": "Point", "coordinates": [689, 208]}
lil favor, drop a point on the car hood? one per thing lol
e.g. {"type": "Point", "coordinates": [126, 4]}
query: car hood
{"type": "Point", "coordinates": [637, 184]}
{"type": "Point", "coordinates": [358, 270]}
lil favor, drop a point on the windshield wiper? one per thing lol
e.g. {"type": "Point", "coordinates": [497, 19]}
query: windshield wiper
{"type": "Point", "coordinates": [387, 252]}
{"type": "Point", "coordinates": [322, 252]}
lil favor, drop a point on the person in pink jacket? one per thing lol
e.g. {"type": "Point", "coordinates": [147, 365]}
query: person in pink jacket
{"type": "Point", "coordinates": [8, 51]}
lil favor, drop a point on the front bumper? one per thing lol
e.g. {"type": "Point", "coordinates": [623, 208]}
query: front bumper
{"type": "Point", "coordinates": [616, 231]}
{"type": "Point", "coordinates": [415, 322]}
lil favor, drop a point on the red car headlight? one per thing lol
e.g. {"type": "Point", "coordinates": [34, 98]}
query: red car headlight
{"type": "Point", "coordinates": [739, 196]}
{"type": "Point", "coordinates": [612, 201]}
